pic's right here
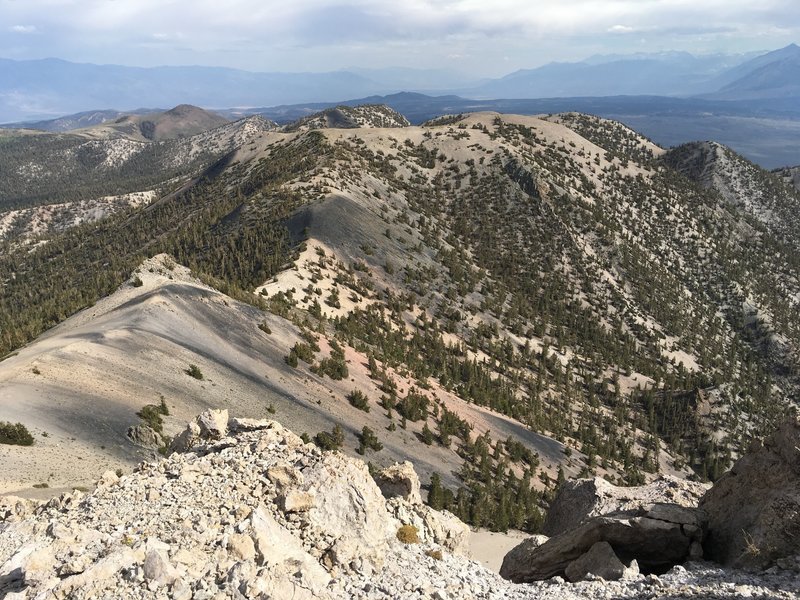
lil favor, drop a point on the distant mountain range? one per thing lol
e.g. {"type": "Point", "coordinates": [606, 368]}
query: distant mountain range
{"type": "Point", "coordinates": [749, 102]}
{"type": "Point", "coordinates": [37, 89]}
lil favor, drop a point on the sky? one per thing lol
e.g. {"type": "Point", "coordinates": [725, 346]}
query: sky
{"type": "Point", "coordinates": [484, 38]}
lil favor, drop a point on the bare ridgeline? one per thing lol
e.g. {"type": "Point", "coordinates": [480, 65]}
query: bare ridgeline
{"type": "Point", "coordinates": [244, 509]}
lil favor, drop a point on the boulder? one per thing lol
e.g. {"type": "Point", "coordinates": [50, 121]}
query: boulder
{"type": "Point", "coordinates": [600, 560]}
{"type": "Point", "coordinates": [350, 509]}
{"type": "Point", "coordinates": [296, 501]}
{"type": "Point", "coordinates": [287, 566]}
{"type": "Point", "coordinates": [754, 509]}
{"type": "Point", "coordinates": [213, 424]}
{"type": "Point", "coordinates": [518, 558]}
{"type": "Point", "coordinates": [13, 508]}
{"type": "Point", "coordinates": [208, 425]}
{"type": "Point", "coordinates": [581, 499]}
{"type": "Point", "coordinates": [145, 436]}
{"type": "Point", "coordinates": [400, 480]}
{"type": "Point", "coordinates": [657, 537]}
{"type": "Point", "coordinates": [157, 567]}
{"type": "Point", "coordinates": [186, 439]}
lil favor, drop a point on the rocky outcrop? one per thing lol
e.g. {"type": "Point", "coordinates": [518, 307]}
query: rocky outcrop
{"type": "Point", "coordinates": [657, 537]}
{"type": "Point", "coordinates": [247, 510]}
{"type": "Point", "coordinates": [145, 436]}
{"type": "Point", "coordinates": [754, 510]}
{"type": "Point", "coordinates": [252, 512]}
{"type": "Point", "coordinates": [208, 425]}
{"type": "Point", "coordinates": [13, 508]}
{"type": "Point", "coordinates": [400, 480]}
{"type": "Point", "coordinates": [437, 527]}
{"type": "Point", "coordinates": [579, 500]}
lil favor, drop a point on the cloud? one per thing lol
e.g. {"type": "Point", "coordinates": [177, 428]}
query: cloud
{"type": "Point", "coordinates": [23, 28]}
{"type": "Point", "coordinates": [329, 34]}
{"type": "Point", "coordinates": [621, 29]}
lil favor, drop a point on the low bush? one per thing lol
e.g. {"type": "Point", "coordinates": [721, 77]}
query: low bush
{"type": "Point", "coordinates": [194, 371]}
{"type": "Point", "coordinates": [330, 441]}
{"type": "Point", "coordinates": [15, 434]}
{"type": "Point", "coordinates": [408, 534]}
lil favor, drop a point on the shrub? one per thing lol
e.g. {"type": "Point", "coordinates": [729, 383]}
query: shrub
{"type": "Point", "coordinates": [264, 327]}
{"type": "Point", "coordinates": [408, 534]}
{"type": "Point", "coordinates": [15, 434]}
{"type": "Point", "coordinates": [368, 441]}
{"type": "Point", "coordinates": [304, 352]}
{"type": "Point", "coordinates": [330, 441]}
{"type": "Point", "coordinates": [335, 368]}
{"type": "Point", "coordinates": [194, 371]}
{"type": "Point", "coordinates": [359, 400]}
{"type": "Point", "coordinates": [137, 282]}
{"type": "Point", "coordinates": [436, 554]}
{"type": "Point", "coordinates": [151, 415]}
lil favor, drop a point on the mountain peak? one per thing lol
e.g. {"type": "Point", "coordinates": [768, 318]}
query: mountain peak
{"type": "Point", "coordinates": [185, 109]}
{"type": "Point", "coordinates": [351, 117]}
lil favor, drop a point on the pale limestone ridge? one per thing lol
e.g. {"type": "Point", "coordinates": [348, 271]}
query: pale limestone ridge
{"type": "Point", "coordinates": [247, 510]}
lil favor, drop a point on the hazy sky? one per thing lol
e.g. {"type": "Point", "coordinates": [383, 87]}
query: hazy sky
{"type": "Point", "coordinates": [486, 37]}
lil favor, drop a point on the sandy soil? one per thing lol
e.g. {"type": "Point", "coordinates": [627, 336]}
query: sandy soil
{"type": "Point", "coordinates": [489, 548]}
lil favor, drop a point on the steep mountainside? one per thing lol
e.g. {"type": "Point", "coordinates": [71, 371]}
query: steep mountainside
{"type": "Point", "coordinates": [163, 316]}
{"type": "Point", "coordinates": [182, 121]}
{"type": "Point", "coordinates": [74, 172]}
{"type": "Point", "coordinates": [790, 175]}
{"type": "Point", "coordinates": [741, 183]}
{"type": "Point", "coordinates": [556, 271]}
{"type": "Point", "coordinates": [771, 75]}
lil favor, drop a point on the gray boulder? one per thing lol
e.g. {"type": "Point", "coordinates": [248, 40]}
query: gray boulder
{"type": "Point", "coordinates": [657, 537]}
{"type": "Point", "coordinates": [754, 509]}
{"type": "Point", "coordinates": [519, 557]}
{"type": "Point", "coordinates": [145, 436]}
{"type": "Point", "coordinates": [600, 560]}
{"type": "Point", "coordinates": [581, 499]}
{"type": "Point", "coordinates": [208, 425]}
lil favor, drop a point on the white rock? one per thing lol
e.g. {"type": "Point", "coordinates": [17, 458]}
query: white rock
{"type": "Point", "coordinates": [400, 480]}
{"type": "Point", "coordinates": [213, 424]}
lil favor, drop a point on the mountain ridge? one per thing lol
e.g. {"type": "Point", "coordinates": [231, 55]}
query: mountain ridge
{"type": "Point", "coordinates": [540, 268]}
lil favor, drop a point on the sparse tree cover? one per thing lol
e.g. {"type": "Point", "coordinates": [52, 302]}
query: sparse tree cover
{"type": "Point", "coordinates": [589, 291]}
